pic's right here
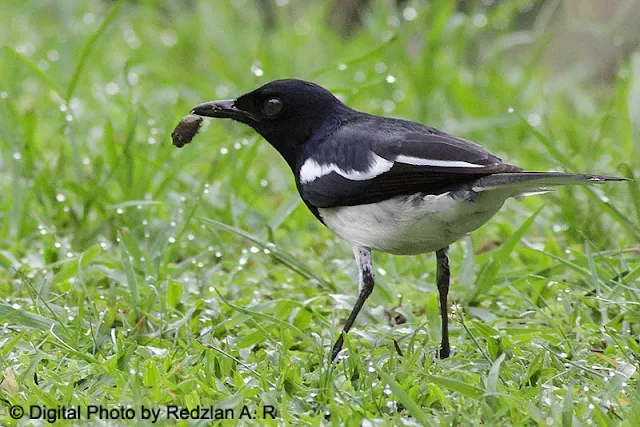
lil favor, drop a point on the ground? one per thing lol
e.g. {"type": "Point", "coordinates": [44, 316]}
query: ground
{"type": "Point", "coordinates": [134, 273]}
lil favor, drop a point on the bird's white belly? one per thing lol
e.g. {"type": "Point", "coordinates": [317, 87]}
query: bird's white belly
{"type": "Point", "coordinates": [411, 224]}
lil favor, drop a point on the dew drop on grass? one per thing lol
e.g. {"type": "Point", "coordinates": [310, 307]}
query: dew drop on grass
{"type": "Point", "coordinates": [119, 211]}
{"type": "Point", "coordinates": [549, 421]}
{"type": "Point", "coordinates": [480, 20]}
{"type": "Point", "coordinates": [4, 95]}
{"type": "Point", "coordinates": [224, 150]}
{"type": "Point", "coordinates": [132, 78]}
{"type": "Point", "coordinates": [200, 264]}
{"type": "Point", "coordinates": [266, 251]}
{"type": "Point", "coordinates": [111, 88]}
{"type": "Point", "coordinates": [264, 183]}
{"type": "Point", "coordinates": [57, 245]}
{"type": "Point", "coordinates": [380, 67]}
{"type": "Point", "coordinates": [43, 231]}
{"type": "Point", "coordinates": [190, 236]}
{"type": "Point", "coordinates": [388, 106]}
{"type": "Point", "coordinates": [172, 239]}
{"type": "Point", "coordinates": [534, 119]}
{"type": "Point", "coordinates": [387, 390]}
{"type": "Point", "coordinates": [254, 250]}
{"type": "Point", "coordinates": [16, 306]}
{"type": "Point", "coordinates": [409, 14]}
{"type": "Point", "coordinates": [342, 67]}
{"type": "Point", "coordinates": [17, 155]}
{"type": "Point", "coordinates": [393, 21]}
{"type": "Point", "coordinates": [390, 79]}
{"type": "Point", "coordinates": [257, 70]}
{"type": "Point", "coordinates": [510, 110]}
{"type": "Point", "coordinates": [359, 77]}
{"type": "Point", "coordinates": [151, 140]}
{"type": "Point", "coordinates": [371, 369]}
{"type": "Point", "coordinates": [69, 254]}
{"type": "Point", "coordinates": [172, 223]}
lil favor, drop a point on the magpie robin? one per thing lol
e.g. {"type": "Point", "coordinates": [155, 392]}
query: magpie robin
{"type": "Point", "coordinates": [383, 184]}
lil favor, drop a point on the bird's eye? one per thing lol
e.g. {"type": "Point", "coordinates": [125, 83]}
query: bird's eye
{"type": "Point", "coordinates": [272, 107]}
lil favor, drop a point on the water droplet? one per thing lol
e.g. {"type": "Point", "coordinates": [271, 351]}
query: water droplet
{"type": "Point", "coordinates": [510, 110]}
{"type": "Point", "coordinates": [264, 183]}
{"type": "Point", "coordinates": [359, 76]}
{"type": "Point", "coordinates": [224, 150]}
{"type": "Point", "coordinates": [218, 254]}
{"type": "Point", "coordinates": [169, 38]}
{"type": "Point", "coordinates": [111, 88]}
{"type": "Point", "coordinates": [342, 67]}
{"type": "Point", "coordinates": [382, 271]}
{"type": "Point", "coordinates": [480, 20]}
{"type": "Point", "coordinates": [534, 119]}
{"type": "Point", "coordinates": [69, 254]}
{"type": "Point", "coordinates": [266, 251]}
{"type": "Point", "coordinates": [549, 421]}
{"type": "Point", "coordinates": [257, 70]}
{"type": "Point", "coordinates": [151, 140]}
{"type": "Point", "coordinates": [60, 197]}
{"type": "Point", "coordinates": [17, 155]}
{"type": "Point", "coordinates": [254, 250]}
{"type": "Point", "coordinates": [237, 146]}
{"type": "Point", "coordinates": [57, 245]}
{"type": "Point", "coordinates": [388, 106]}
{"type": "Point", "coordinates": [16, 306]}
{"type": "Point", "coordinates": [371, 369]}
{"type": "Point", "coordinates": [190, 236]}
{"type": "Point", "coordinates": [200, 264]}
{"type": "Point", "coordinates": [68, 118]}
{"type": "Point", "coordinates": [43, 231]}
{"type": "Point", "coordinates": [4, 95]}
{"type": "Point", "coordinates": [172, 239]}
{"type": "Point", "coordinates": [172, 223]}
{"type": "Point", "coordinates": [89, 18]}
{"type": "Point", "coordinates": [132, 78]}
{"type": "Point", "coordinates": [119, 211]}
{"type": "Point", "coordinates": [409, 14]}
{"type": "Point", "coordinates": [86, 160]}
{"type": "Point", "coordinates": [390, 79]}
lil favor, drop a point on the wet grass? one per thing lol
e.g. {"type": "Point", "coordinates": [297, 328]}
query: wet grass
{"type": "Point", "coordinates": [134, 273]}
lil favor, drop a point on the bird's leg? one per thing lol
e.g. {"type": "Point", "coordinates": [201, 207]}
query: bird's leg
{"type": "Point", "coordinates": [442, 277]}
{"type": "Point", "coordinates": [365, 284]}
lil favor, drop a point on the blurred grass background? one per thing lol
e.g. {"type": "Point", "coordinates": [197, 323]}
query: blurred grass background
{"type": "Point", "coordinates": [133, 272]}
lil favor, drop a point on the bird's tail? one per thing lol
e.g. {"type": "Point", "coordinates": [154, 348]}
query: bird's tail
{"type": "Point", "coordinates": [534, 182]}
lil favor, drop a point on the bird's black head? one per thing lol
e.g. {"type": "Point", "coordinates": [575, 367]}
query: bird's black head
{"type": "Point", "coordinates": [285, 112]}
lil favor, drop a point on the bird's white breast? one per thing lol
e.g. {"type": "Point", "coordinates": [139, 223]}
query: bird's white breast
{"type": "Point", "coordinates": [412, 224]}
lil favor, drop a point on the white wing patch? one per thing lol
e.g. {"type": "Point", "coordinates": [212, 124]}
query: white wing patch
{"type": "Point", "coordinates": [312, 170]}
{"type": "Point", "coordinates": [419, 161]}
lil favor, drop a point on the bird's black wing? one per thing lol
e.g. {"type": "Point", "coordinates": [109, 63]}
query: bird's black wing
{"type": "Point", "coordinates": [359, 164]}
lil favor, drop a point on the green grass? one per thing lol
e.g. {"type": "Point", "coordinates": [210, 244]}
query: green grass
{"type": "Point", "coordinates": [134, 273]}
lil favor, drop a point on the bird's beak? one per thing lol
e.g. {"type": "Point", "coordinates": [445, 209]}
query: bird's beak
{"type": "Point", "coordinates": [224, 109]}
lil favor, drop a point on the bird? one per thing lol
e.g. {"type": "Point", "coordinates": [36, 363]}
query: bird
{"type": "Point", "coordinates": [382, 184]}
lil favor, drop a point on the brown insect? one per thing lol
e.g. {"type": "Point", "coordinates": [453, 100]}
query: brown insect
{"type": "Point", "coordinates": [186, 130]}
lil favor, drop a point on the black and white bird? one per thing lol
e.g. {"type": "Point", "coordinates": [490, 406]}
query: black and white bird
{"type": "Point", "coordinates": [383, 184]}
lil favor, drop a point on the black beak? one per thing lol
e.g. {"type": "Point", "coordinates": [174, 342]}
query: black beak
{"type": "Point", "coordinates": [224, 109]}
